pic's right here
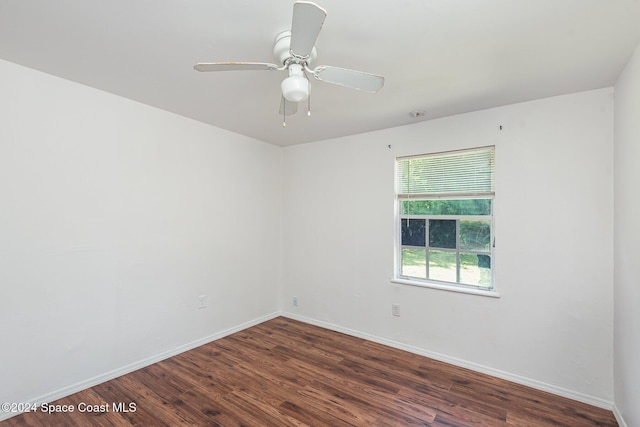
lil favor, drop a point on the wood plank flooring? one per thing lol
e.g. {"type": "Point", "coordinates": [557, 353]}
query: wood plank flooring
{"type": "Point", "coordinates": [286, 373]}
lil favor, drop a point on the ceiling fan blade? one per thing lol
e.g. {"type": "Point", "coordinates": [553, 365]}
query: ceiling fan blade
{"type": "Point", "coordinates": [349, 78]}
{"type": "Point", "coordinates": [287, 107]}
{"type": "Point", "coordinates": [234, 66]}
{"type": "Point", "coordinates": [307, 22]}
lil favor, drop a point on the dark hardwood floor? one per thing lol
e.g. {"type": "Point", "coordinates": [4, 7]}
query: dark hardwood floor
{"type": "Point", "coordinates": [286, 373]}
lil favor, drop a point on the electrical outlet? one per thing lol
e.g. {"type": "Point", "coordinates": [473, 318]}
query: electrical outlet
{"type": "Point", "coordinates": [203, 301]}
{"type": "Point", "coordinates": [395, 310]}
{"type": "Point", "coordinates": [294, 301]}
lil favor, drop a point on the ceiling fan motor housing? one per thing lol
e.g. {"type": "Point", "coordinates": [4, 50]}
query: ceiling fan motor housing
{"type": "Point", "coordinates": [282, 50]}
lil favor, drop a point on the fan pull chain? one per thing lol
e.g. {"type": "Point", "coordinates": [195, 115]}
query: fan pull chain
{"type": "Point", "coordinates": [309, 99]}
{"type": "Point", "coordinates": [284, 113]}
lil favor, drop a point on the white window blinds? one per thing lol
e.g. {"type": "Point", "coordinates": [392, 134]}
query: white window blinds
{"type": "Point", "coordinates": [454, 173]}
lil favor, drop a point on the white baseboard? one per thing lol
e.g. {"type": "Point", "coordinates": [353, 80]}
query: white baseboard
{"type": "Point", "coordinates": [559, 391]}
{"type": "Point", "coordinates": [99, 379]}
{"type": "Point", "coordinates": [618, 415]}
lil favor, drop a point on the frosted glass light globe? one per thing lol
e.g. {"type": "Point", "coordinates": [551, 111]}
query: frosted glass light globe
{"type": "Point", "coordinates": [295, 88]}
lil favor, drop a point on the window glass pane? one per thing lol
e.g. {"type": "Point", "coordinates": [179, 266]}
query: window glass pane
{"type": "Point", "coordinates": [447, 207]}
{"type": "Point", "coordinates": [414, 232]}
{"type": "Point", "coordinates": [475, 235]}
{"type": "Point", "coordinates": [442, 233]}
{"type": "Point", "coordinates": [475, 269]}
{"type": "Point", "coordinates": [442, 266]}
{"type": "Point", "coordinates": [414, 262]}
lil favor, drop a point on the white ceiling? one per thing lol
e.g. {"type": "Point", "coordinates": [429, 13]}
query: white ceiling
{"type": "Point", "coordinates": [441, 56]}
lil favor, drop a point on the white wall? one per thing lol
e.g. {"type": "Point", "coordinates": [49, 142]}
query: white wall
{"type": "Point", "coordinates": [114, 218]}
{"type": "Point", "coordinates": [627, 239]}
{"type": "Point", "coordinates": [552, 327]}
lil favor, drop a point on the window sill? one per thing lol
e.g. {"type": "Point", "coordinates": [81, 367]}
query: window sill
{"type": "Point", "coordinates": [444, 287]}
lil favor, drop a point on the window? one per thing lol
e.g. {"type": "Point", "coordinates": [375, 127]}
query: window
{"type": "Point", "coordinates": [444, 219]}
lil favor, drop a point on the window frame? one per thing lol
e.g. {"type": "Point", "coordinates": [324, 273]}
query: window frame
{"type": "Point", "coordinates": [457, 286]}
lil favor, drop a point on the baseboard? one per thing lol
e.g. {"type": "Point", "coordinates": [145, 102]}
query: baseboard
{"type": "Point", "coordinates": [99, 379]}
{"type": "Point", "coordinates": [559, 391]}
{"type": "Point", "coordinates": [619, 417]}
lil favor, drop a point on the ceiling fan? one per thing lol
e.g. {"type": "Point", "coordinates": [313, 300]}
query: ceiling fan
{"type": "Point", "coordinates": [294, 50]}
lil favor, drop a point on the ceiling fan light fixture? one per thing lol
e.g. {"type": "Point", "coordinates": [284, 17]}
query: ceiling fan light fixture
{"type": "Point", "coordinates": [295, 88]}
